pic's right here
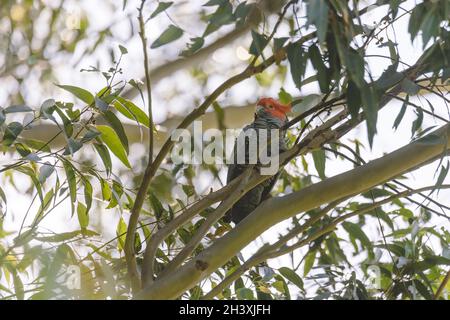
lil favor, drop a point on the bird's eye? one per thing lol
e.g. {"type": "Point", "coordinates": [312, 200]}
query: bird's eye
{"type": "Point", "coordinates": [270, 106]}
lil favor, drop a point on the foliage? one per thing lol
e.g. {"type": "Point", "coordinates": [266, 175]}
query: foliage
{"type": "Point", "coordinates": [94, 173]}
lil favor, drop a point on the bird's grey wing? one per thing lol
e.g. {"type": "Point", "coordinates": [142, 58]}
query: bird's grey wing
{"type": "Point", "coordinates": [270, 183]}
{"type": "Point", "coordinates": [234, 170]}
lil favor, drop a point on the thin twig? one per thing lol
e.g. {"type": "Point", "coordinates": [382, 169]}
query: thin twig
{"type": "Point", "coordinates": [134, 217]}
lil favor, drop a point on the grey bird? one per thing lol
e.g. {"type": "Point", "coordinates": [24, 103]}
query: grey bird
{"type": "Point", "coordinates": [270, 114]}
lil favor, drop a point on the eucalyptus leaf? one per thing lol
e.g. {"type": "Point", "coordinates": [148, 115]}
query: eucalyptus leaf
{"type": "Point", "coordinates": [297, 63]}
{"type": "Point", "coordinates": [172, 33]}
{"type": "Point", "coordinates": [162, 6]}
{"type": "Point", "coordinates": [82, 214]}
{"type": "Point", "coordinates": [116, 124]}
{"type": "Point", "coordinates": [12, 131]}
{"type": "Point", "coordinates": [17, 108]}
{"type": "Point", "coordinates": [80, 93]}
{"type": "Point", "coordinates": [112, 141]}
{"type": "Point", "coordinates": [317, 14]}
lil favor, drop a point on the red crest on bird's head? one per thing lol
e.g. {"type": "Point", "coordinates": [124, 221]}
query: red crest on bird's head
{"type": "Point", "coordinates": [274, 107]}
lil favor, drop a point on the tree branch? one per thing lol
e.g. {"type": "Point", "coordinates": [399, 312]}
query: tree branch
{"type": "Point", "coordinates": [155, 240]}
{"type": "Point", "coordinates": [442, 286]}
{"type": "Point", "coordinates": [275, 250]}
{"type": "Point", "coordinates": [210, 220]}
{"type": "Point", "coordinates": [275, 210]}
{"type": "Point", "coordinates": [142, 191]}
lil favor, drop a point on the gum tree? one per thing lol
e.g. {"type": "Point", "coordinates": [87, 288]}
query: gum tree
{"type": "Point", "coordinates": [337, 229]}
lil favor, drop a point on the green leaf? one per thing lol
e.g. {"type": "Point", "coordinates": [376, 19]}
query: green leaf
{"type": "Point", "coordinates": [292, 276]}
{"type": "Point", "coordinates": [422, 289]}
{"type": "Point", "coordinates": [370, 107]}
{"type": "Point", "coordinates": [278, 43]}
{"type": "Point", "coordinates": [393, 53]}
{"type": "Point", "coordinates": [47, 108]}
{"type": "Point", "coordinates": [31, 255]}
{"type": "Point", "coordinates": [3, 197]}
{"type": "Point", "coordinates": [297, 63]}
{"type": "Point", "coordinates": [196, 44]}
{"type": "Point", "coordinates": [354, 101]}
{"type": "Point", "coordinates": [100, 104]}
{"type": "Point", "coordinates": [36, 144]}
{"type": "Point", "coordinates": [241, 12]}
{"type": "Point", "coordinates": [68, 127]}
{"type": "Point", "coordinates": [80, 93]}
{"type": "Point", "coordinates": [188, 190]}
{"type": "Point", "coordinates": [87, 194]}
{"type": "Point", "coordinates": [318, 15]}
{"type": "Point", "coordinates": [284, 96]}
{"type": "Point", "coordinates": [44, 205]}
{"type": "Point", "coordinates": [196, 292]}
{"type": "Point", "coordinates": [121, 232]}
{"type": "Point", "coordinates": [18, 286]}
{"type": "Point", "coordinates": [162, 6]}
{"type": "Point", "coordinates": [111, 139]}
{"type": "Point", "coordinates": [220, 115]}
{"type": "Point", "coordinates": [45, 171]}
{"type": "Point", "coordinates": [442, 175]}
{"type": "Point", "coordinates": [61, 237]}
{"type": "Point", "coordinates": [355, 231]}
{"type": "Point", "coordinates": [410, 87]}
{"type": "Point", "coordinates": [72, 146]}
{"type": "Point", "coordinates": [222, 16]}
{"type": "Point", "coordinates": [418, 122]}
{"type": "Point", "coordinates": [400, 115]}
{"type": "Point", "coordinates": [389, 78]}
{"type": "Point", "coordinates": [279, 286]}
{"type": "Point", "coordinates": [104, 155]}
{"type": "Point", "coordinates": [355, 66]}
{"type": "Point", "coordinates": [83, 217]}
{"type": "Point", "coordinates": [309, 262]}
{"type": "Point", "coordinates": [137, 243]}
{"type": "Point", "coordinates": [376, 193]}
{"type": "Point", "coordinates": [71, 180]}
{"type": "Point", "coordinates": [12, 131]}
{"type": "Point", "coordinates": [122, 49]}
{"type": "Point", "coordinates": [23, 150]}
{"type": "Point", "coordinates": [156, 206]}
{"type": "Point", "coordinates": [172, 33]}
{"type": "Point", "coordinates": [30, 172]}
{"type": "Point", "coordinates": [258, 44]}
{"type": "Point", "coordinates": [90, 134]}
{"type": "Point", "coordinates": [17, 108]}
{"type": "Point", "coordinates": [319, 65]}
{"type": "Point", "coordinates": [115, 123]}
{"type": "Point", "coordinates": [184, 235]}
{"type": "Point", "coordinates": [245, 294]}
{"type": "Point", "coordinates": [430, 26]}
{"type": "Point", "coordinates": [106, 190]}
{"type": "Point", "coordinates": [319, 162]}
{"type": "Point", "coordinates": [2, 116]}
{"type": "Point", "coordinates": [211, 3]}
{"type": "Point", "coordinates": [131, 111]}
{"type": "Point", "coordinates": [415, 20]}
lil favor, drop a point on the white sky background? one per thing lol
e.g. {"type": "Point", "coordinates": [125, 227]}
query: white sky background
{"type": "Point", "coordinates": [178, 93]}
